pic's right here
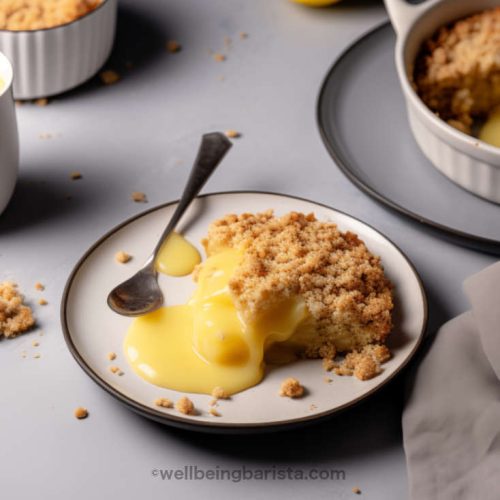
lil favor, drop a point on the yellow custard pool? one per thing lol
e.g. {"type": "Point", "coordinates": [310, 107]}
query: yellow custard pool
{"type": "Point", "coordinates": [205, 343]}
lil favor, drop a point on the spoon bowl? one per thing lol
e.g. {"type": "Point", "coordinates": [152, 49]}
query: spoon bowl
{"type": "Point", "coordinates": [141, 293]}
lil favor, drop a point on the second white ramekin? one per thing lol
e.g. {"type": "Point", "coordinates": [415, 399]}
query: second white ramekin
{"type": "Point", "coordinates": [53, 60]}
{"type": "Point", "coordinates": [9, 143]}
{"type": "Point", "coordinates": [469, 162]}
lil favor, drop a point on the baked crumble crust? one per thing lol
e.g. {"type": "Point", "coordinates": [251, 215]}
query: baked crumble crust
{"type": "Point", "coordinates": [18, 15]}
{"type": "Point", "coordinates": [343, 285]}
{"type": "Point", "coordinates": [457, 72]}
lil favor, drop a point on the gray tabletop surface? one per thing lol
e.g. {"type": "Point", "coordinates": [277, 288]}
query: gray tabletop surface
{"type": "Point", "coordinates": [140, 135]}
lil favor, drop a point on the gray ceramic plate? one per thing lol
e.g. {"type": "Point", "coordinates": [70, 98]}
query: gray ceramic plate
{"type": "Point", "coordinates": [363, 122]}
{"type": "Point", "coordinates": [92, 330]}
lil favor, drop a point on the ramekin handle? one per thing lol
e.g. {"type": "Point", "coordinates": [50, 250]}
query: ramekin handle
{"type": "Point", "coordinates": [403, 14]}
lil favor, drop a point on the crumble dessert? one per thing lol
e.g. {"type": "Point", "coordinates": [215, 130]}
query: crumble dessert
{"type": "Point", "coordinates": [291, 388]}
{"type": "Point", "coordinates": [457, 72]}
{"type": "Point", "coordinates": [21, 15]}
{"type": "Point", "coordinates": [15, 316]}
{"type": "Point", "coordinates": [348, 297]}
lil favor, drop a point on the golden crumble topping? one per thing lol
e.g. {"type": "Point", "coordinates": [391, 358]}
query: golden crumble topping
{"type": "Point", "coordinates": [16, 15]}
{"type": "Point", "coordinates": [457, 72]}
{"type": "Point", "coordinates": [15, 316]}
{"type": "Point", "coordinates": [348, 298]}
{"type": "Point", "coordinates": [291, 388]}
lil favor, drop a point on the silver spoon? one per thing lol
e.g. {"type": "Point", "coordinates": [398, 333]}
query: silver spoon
{"type": "Point", "coordinates": [141, 294]}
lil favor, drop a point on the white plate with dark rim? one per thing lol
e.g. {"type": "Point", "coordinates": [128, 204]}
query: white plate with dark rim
{"type": "Point", "coordinates": [92, 330]}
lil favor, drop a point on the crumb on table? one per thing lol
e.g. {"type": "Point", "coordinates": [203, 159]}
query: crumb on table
{"type": "Point", "coordinates": [356, 491]}
{"type": "Point", "coordinates": [139, 197]}
{"type": "Point", "coordinates": [42, 302]}
{"type": "Point", "coordinates": [81, 413]}
{"type": "Point", "coordinates": [214, 412]}
{"type": "Point", "coordinates": [218, 57]}
{"type": "Point", "coordinates": [291, 388]}
{"type": "Point", "coordinates": [15, 316]}
{"type": "Point", "coordinates": [75, 175]}
{"type": "Point", "coordinates": [35, 343]}
{"type": "Point", "coordinates": [185, 405]}
{"type": "Point", "coordinates": [109, 77]}
{"type": "Point", "coordinates": [232, 134]}
{"type": "Point", "coordinates": [39, 286]}
{"type": "Point", "coordinates": [111, 356]}
{"type": "Point", "coordinates": [122, 257]}
{"type": "Point", "coordinates": [163, 403]}
{"type": "Point", "coordinates": [43, 101]}
{"type": "Point", "coordinates": [173, 46]}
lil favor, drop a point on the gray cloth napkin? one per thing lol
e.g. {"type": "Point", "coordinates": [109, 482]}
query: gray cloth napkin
{"type": "Point", "coordinates": [451, 423]}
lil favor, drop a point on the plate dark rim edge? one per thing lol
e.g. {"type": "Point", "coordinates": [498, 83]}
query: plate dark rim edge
{"type": "Point", "coordinates": [465, 238]}
{"type": "Point", "coordinates": [181, 422]}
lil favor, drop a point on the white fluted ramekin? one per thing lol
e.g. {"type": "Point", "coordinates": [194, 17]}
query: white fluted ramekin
{"type": "Point", "coordinates": [53, 60]}
{"type": "Point", "coordinates": [469, 162]}
{"type": "Point", "coordinates": [9, 143]}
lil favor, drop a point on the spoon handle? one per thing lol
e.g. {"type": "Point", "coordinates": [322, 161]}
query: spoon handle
{"type": "Point", "coordinates": [212, 149]}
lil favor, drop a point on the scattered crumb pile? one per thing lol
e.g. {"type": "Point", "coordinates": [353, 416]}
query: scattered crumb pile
{"type": "Point", "coordinates": [17, 15]}
{"type": "Point", "coordinates": [363, 364]}
{"type": "Point", "coordinates": [15, 316]}
{"type": "Point", "coordinates": [343, 285]}
{"type": "Point", "coordinates": [457, 72]}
